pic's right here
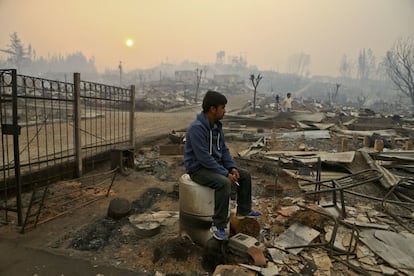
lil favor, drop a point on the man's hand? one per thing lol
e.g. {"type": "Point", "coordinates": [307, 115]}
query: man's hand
{"type": "Point", "coordinates": [234, 176]}
{"type": "Point", "coordinates": [233, 179]}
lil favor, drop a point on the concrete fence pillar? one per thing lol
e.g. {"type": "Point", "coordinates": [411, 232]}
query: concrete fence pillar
{"type": "Point", "coordinates": [77, 121]}
{"type": "Point", "coordinates": [132, 117]}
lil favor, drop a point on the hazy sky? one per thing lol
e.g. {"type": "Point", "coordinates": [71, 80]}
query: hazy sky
{"type": "Point", "coordinates": [266, 32]}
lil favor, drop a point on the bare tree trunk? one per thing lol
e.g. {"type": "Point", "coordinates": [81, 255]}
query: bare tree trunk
{"type": "Point", "coordinates": [255, 83]}
{"type": "Point", "coordinates": [400, 67]}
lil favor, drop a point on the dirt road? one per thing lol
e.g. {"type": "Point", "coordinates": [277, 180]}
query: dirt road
{"type": "Point", "coordinates": [154, 124]}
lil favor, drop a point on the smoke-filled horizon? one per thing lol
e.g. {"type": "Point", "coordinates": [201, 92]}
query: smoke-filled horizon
{"type": "Point", "coordinates": [267, 33]}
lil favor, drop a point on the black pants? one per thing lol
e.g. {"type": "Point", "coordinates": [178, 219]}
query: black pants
{"type": "Point", "coordinates": [222, 191]}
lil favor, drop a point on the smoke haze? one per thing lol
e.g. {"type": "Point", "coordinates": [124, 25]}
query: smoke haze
{"type": "Point", "coordinates": [265, 32]}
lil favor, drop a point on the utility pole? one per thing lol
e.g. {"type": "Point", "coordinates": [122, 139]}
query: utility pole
{"type": "Point", "coordinates": [255, 82]}
{"type": "Point", "coordinates": [199, 73]}
{"type": "Point", "coordinates": [120, 73]}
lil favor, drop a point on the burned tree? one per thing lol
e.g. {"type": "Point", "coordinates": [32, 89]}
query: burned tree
{"type": "Point", "coordinates": [255, 83]}
{"type": "Point", "coordinates": [346, 67]}
{"type": "Point", "coordinates": [400, 67]}
{"type": "Point", "coordinates": [366, 64]}
{"type": "Point", "coordinates": [333, 93]}
{"type": "Point", "coordinates": [17, 52]}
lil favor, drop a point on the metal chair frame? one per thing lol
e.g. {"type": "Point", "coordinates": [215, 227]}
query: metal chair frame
{"type": "Point", "coordinates": [339, 185]}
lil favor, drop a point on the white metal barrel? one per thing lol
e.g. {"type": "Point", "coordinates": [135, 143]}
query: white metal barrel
{"type": "Point", "coordinates": [196, 210]}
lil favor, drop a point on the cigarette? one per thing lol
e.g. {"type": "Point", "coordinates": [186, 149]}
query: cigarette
{"type": "Point", "coordinates": [237, 183]}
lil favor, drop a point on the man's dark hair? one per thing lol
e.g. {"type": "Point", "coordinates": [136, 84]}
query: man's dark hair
{"type": "Point", "coordinates": [213, 98]}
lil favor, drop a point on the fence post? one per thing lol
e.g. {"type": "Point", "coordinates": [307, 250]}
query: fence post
{"type": "Point", "coordinates": [16, 150]}
{"type": "Point", "coordinates": [76, 132]}
{"type": "Point", "coordinates": [132, 117]}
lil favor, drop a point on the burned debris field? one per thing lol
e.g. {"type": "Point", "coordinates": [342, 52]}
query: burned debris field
{"type": "Point", "coordinates": [333, 192]}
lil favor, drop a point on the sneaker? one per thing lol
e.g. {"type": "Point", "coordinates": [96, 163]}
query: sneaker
{"type": "Point", "coordinates": [219, 234]}
{"type": "Point", "coordinates": [252, 214]}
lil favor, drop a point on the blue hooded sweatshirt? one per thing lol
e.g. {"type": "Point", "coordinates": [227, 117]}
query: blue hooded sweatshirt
{"type": "Point", "coordinates": [205, 147]}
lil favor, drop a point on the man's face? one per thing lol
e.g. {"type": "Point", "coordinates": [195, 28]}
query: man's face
{"type": "Point", "coordinates": [219, 112]}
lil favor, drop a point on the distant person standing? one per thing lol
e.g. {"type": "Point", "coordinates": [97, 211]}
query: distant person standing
{"type": "Point", "coordinates": [277, 102]}
{"type": "Point", "coordinates": [287, 103]}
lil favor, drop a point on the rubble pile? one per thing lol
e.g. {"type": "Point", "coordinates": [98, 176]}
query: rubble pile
{"type": "Point", "coordinates": [341, 191]}
{"type": "Point", "coordinates": [352, 210]}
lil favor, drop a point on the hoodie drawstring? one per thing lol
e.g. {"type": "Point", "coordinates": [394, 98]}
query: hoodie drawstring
{"type": "Point", "coordinates": [211, 142]}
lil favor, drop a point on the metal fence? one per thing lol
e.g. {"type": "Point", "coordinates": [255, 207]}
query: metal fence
{"type": "Point", "coordinates": [53, 130]}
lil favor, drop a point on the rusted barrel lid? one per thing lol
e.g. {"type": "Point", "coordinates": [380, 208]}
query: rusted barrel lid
{"type": "Point", "coordinates": [119, 208]}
